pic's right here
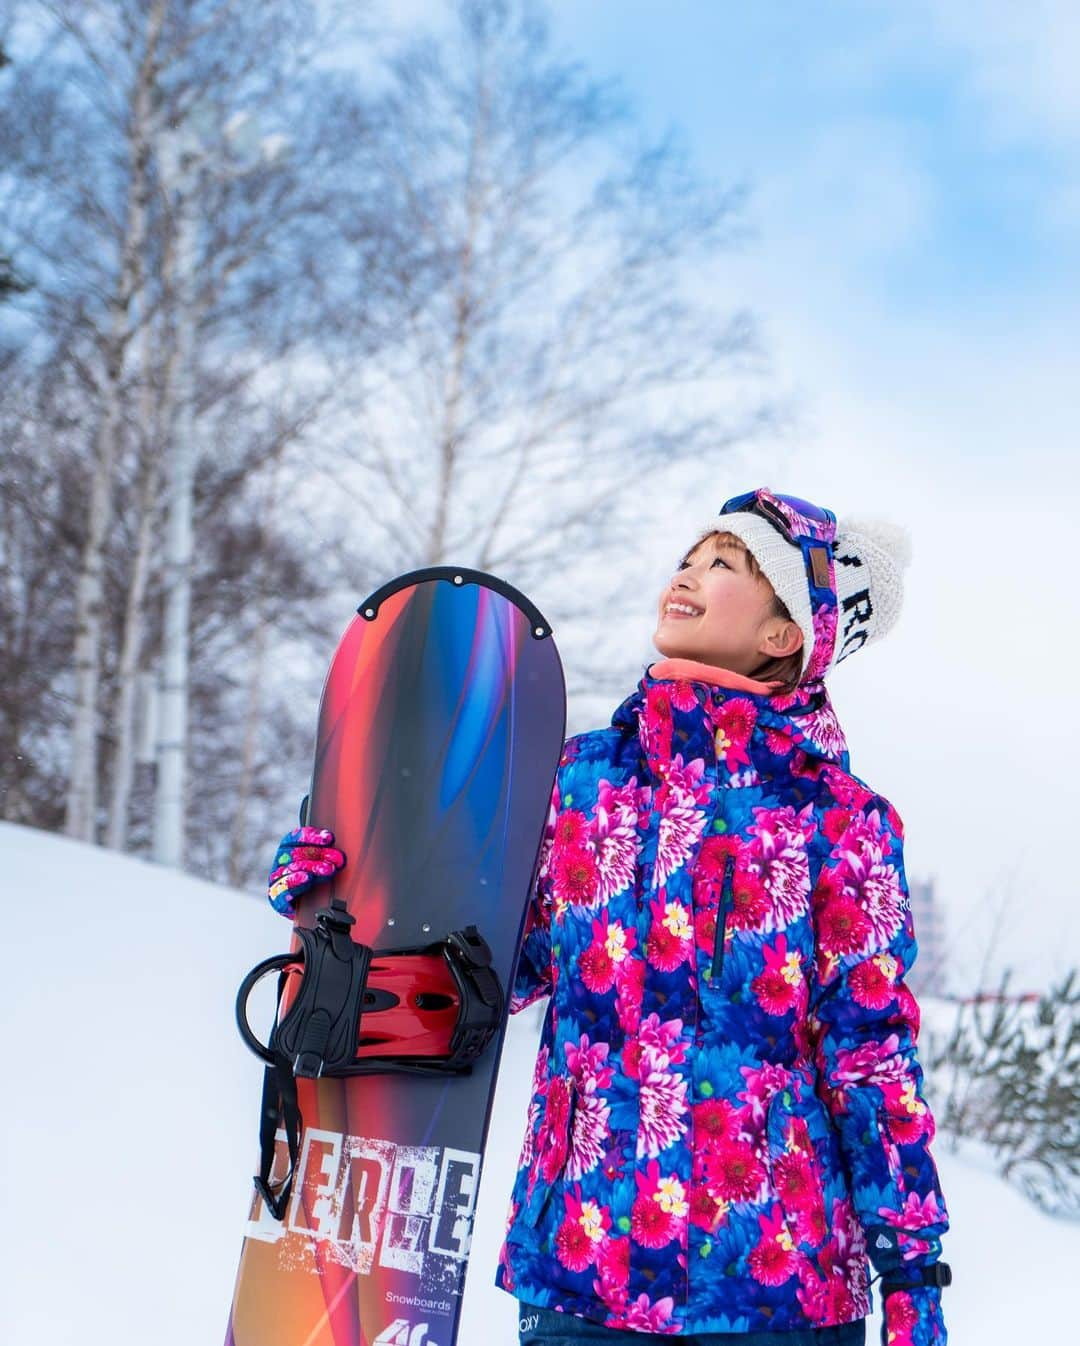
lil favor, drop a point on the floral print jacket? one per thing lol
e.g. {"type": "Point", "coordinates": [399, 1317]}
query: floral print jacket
{"type": "Point", "coordinates": [727, 1116]}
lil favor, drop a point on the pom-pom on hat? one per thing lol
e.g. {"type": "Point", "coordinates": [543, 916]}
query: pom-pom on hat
{"type": "Point", "coordinates": [870, 555]}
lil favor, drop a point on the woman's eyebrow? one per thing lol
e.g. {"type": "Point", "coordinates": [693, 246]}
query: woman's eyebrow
{"type": "Point", "coordinates": [729, 552]}
{"type": "Point", "coordinates": [724, 549]}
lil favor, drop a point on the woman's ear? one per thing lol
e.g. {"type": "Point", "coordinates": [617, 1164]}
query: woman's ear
{"type": "Point", "coordinates": [783, 639]}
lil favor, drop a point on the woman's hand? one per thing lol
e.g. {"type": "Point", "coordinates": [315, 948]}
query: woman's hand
{"type": "Point", "coordinates": [304, 857]}
{"type": "Point", "coordinates": [913, 1318]}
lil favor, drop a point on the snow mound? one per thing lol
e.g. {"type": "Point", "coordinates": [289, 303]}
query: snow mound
{"type": "Point", "coordinates": [129, 1134]}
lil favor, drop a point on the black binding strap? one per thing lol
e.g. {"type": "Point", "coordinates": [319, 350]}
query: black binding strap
{"type": "Point", "coordinates": [318, 1033]}
{"type": "Point", "coordinates": [481, 996]}
{"type": "Point", "coordinates": [279, 1104]}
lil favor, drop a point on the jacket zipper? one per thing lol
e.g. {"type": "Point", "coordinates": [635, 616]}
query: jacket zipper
{"type": "Point", "coordinates": [721, 924]}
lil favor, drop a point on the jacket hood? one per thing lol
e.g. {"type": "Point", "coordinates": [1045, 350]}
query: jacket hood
{"type": "Point", "coordinates": [699, 710]}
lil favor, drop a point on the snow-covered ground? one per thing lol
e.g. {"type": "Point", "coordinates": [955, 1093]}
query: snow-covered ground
{"type": "Point", "coordinates": [129, 1126]}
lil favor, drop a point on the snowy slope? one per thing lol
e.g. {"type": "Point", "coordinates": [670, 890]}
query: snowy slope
{"type": "Point", "coordinates": [128, 1138]}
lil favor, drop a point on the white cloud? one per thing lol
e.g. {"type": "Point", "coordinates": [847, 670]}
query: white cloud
{"type": "Point", "coordinates": [1012, 71]}
{"type": "Point", "coordinates": [1020, 62]}
{"type": "Point", "coordinates": [854, 190]}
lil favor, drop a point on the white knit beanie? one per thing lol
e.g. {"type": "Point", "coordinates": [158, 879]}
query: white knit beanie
{"type": "Point", "coordinates": [870, 555]}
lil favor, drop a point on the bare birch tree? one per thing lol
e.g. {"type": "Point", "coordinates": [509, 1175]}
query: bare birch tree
{"type": "Point", "coordinates": [99, 231]}
{"type": "Point", "coordinates": [451, 314]}
{"type": "Point", "coordinates": [563, 355]}
{"type": "Point", "coordinates": [82, 801]}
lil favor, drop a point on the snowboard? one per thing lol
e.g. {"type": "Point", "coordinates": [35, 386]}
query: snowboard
{"type": "Point", "coordinates": [440, 728]}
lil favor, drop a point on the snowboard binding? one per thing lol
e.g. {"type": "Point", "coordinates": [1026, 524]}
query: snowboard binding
{"type": "Point", "coordinates": [428, 1009]}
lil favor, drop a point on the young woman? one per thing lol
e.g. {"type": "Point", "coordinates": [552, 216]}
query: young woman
{"type": "Point", "coordinates": [727, 1117]}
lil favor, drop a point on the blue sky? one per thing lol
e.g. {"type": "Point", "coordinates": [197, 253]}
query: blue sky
{"type": "Point", "coordinates": [915, 175]}
{"type": "Point", "coordinates": [887, 103]}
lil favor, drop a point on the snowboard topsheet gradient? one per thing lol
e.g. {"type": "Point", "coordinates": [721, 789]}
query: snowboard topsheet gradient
{"type": "Point", "coordinates": [440, 728]}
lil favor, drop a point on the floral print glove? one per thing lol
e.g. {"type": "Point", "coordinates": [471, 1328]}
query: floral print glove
{"type": "Point", "coordinates": [914, 1318]}
{"type": "Point", "coordinates": [304, 857]}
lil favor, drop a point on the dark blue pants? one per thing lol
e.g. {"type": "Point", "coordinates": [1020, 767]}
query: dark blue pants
{"type": "Point", "coordinates": [545, 1327]}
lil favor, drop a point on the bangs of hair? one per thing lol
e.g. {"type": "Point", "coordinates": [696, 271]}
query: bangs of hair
{"type": "Point", "coordinates": [730, 542]}
{"type": "Point", "coordinates": [789, 668]}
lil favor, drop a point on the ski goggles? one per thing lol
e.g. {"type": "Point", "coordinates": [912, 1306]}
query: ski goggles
{"type": "Point", "coordinates": [805, 525]}
{"type": "Point", "coordinates": [812, 529]}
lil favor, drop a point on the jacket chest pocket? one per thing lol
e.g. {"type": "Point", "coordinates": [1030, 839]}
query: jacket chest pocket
{"type": "Point", "coordinates": [723, 910]}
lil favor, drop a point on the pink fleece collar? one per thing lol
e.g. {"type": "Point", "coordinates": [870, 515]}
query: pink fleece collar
{"type": "Point", "coordinates": [696, 671]}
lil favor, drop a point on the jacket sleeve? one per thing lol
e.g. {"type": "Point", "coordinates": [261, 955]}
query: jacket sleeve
{"type": "Point", "coordinates": [533, 977]}
{"type": "Point", "coordinates": [864, 1024]}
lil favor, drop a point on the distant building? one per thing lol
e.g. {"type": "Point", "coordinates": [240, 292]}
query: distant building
{"type": "Point", "coordinates": [929, 972]}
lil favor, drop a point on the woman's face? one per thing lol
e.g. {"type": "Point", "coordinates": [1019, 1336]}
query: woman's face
{"type": "Point", "coordinates": [731, 627]}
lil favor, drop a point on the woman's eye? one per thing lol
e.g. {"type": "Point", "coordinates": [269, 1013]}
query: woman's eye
{"type": "Point", "coordinates": [717, 560]}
